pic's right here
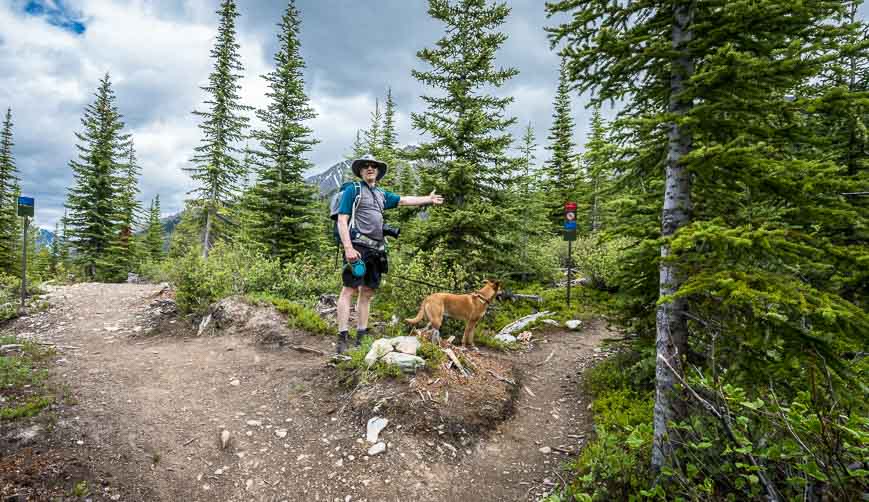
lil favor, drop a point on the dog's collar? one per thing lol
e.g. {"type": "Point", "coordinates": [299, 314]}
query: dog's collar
{"type": "Point", "coordinates": [482, 298]}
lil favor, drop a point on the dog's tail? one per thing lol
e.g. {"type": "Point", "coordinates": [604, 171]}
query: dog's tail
{"type": "Point", "coordinates": [419, 315]}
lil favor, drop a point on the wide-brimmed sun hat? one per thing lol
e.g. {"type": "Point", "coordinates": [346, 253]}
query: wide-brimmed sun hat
{"type": "Point", "coordinates": [366, 159]}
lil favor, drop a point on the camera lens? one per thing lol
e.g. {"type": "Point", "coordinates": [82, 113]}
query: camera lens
{"type": "Point", "coordinates": [390, 231]}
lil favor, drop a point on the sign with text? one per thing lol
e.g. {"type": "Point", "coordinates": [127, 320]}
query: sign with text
{"type": "Point", "coordinates": [25, 206]}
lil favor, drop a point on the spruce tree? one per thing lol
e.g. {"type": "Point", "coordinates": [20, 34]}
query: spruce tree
{"type": "Point", "coordinates": [55, 250]}
{"type": "Point", "coordinates": [122, 255]}
{"type": "Point", "coordinates": [373, 135]}
{"type": "Point", "coordinates": [8, 203]}
{"type": "Point", "coordinates": [466, 155]}
{"type": "Point", "coordinates": [359, 147]}
{"type": "Point", "coordinates": [154, 232]}
{"type": "Point", "coordinates": [215, 164]}
{"type": "Point", "coordinates": [285, 205]}
{"type": "Point", "coordinates": [560, 169]}
{"type": "Point", "coordinates": [740, 252]}
{"type": "Point", "coordinates": [595, 169]}
{"type": "Point", "coordinates": [91, 201]}
{"type": "Point", "coordinates": [389, 136]}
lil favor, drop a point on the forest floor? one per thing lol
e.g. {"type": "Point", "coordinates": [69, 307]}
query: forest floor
{"type": "Point", "coordinates": [142, 403]}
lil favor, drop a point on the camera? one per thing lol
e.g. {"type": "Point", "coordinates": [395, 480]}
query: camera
{"type": "Point", "coordinates": [390, 231]}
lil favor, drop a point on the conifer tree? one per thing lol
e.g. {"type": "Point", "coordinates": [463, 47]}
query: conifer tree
{"type": "Point", "coordinates": [91, 201]}
{"type": "Point", "coordinates": [359, 147]}
{"type": "Point", "coordinates": [215, 164]}
{"type": "Point", "coordinates": [374, 134]}
{"type": "Point", "coordinates": [55, 249]}
{"type": "Point", "coordinates": [560, 169]}
{"type": "Point", "coordinates": [711, 109]}
{"type": "Point", "coordinates": [389, 137]}
{"type": "Point", "coordinates": [8, 204]}
{"type": "Point", "coordinates": [285, 205]}
{"type": "Point", "coordinates": [63, 244]}
{"type": "Point", "coordinates": [595, 169]}
{"type": "Point", "coordinates": [466, 155]}
{"type": "Point", "coordinates": [154, 232]}
{"type": "Point", "coordinates": [122, 255]}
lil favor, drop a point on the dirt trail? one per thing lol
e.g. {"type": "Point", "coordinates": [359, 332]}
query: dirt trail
{"type": "Point", "coordinates": [148, 412]}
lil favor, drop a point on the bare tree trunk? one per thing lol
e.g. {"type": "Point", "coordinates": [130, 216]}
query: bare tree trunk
{"type": "Point", "coordinates": [206, 240]}
{"type": "Point", "coordinates": [672, 334]}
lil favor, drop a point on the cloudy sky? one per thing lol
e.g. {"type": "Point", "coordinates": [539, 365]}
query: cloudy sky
{"type": "Point", "coordinates": [53, 52]}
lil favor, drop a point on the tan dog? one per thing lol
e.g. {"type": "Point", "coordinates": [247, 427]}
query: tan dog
{"type": "Point", "coordinates": [470, 307]}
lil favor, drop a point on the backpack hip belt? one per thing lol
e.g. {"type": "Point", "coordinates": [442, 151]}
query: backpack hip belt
{"type": "Point", "coordinates": [369, 242]}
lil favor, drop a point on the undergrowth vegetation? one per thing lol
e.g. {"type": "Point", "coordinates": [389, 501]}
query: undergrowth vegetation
{"type": "Point", "coordinates": [23, 377]}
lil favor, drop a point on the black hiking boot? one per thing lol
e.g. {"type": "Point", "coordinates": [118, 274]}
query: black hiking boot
{"type": "Point", "coordinates": [341, 346]}
{"type": "Point", "coordinates": [360, 334]}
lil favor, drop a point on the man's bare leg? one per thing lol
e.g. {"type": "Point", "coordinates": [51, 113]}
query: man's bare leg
{"type": "Point", "coordinates": [363, 307]}
{"type": "Point", "coordinates": [343, 314]}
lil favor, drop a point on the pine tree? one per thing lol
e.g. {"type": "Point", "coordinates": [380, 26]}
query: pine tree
{"type": "Point", "coordinates": [466, 156]}
{"type": "Point", "coordinates": [215, 165]}
{"type": "Point", "coordinates": [534, 223]}
{"type": "Point", "coordinates": [373, 135]}
{"type": "Point", "coordinates": [8, 204]}
{"type": "Point", "coordinates": [359, 147]}
{"type": "Point", "coordinates": [595, 169]}
{"type": "Point", "coordinates": [284, 203]}
{"type": "Point", "coordinates": [154, 232]}
{"type": "Point", "coordinates": [560, 169]}
{"type": "Point", "coordinates": [121, 257]}
{"type": "Point", "coordinates": [92, 220]}
{"type": "Point", "coordinates": [64, 243]}
{"type": "Point", "coordinates": [389, 136]}
{"type": "Point", "coordinates": [710, 108]}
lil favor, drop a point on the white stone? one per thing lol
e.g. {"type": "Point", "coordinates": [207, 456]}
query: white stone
{"type": "Point", "coordinates": [573, 324]}
{"type": "Point", "coordinates": [375, 425]}
{"type": "Point", "coordinates": [281, 433]}
{"type": "Point", "coordinates": [406, 344]}
{"type": "Point", "coordinates": [379, 348]}
{"type": "Point", "coordinates": [406, 362]}
{"type": "Point", "coordinates": [505, 338]}
{"type": "Point", "coordinates": [545, 450]}
{"type": "Point", "coordinates": [377, 449]}
{"type": "Point", "coordinates": [224, 439]}
{"type": "Point", "coordinates": [235, 382]}
{"type": "Point", "coordinates": [254, 423]}
{"type": "Point", "coordinates": [551, 322]}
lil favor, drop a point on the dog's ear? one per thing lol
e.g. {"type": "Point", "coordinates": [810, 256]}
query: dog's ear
{"type": "Point", "coordinates": [496, 285]}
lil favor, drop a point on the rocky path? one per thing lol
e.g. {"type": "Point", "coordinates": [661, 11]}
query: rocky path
{"type": "Point", "coordinates": [148, 413]}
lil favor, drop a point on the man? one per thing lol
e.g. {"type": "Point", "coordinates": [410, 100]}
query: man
{"type": "Point", "coordinates": [367, 243]}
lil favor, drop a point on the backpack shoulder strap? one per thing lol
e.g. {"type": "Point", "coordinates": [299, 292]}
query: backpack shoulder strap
{"type": "Point", "coordinates": [356, 199]}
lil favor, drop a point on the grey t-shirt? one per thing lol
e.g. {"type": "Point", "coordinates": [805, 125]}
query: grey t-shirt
{"type": "Point", "coordinates": [369, 213]}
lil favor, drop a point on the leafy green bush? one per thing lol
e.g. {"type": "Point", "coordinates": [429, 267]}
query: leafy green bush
{"type": "Point", "coordinates": [599, 258]}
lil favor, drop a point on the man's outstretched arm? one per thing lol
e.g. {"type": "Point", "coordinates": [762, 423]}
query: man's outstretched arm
{"type": "Point", "coordinates": [421, 200]}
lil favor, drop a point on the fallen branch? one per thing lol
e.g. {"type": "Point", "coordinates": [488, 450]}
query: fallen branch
{"type": "Point", "coordinates": [520, 323]}
{"type": "Point", "coordinates": [455, 361]}
{"type": "Point", "coordinates": [190, 440]}
{"type": "Point", "coordinates": [302, 348]}
{"type": "Point", "coordinates": [529, 391]}
{"type": "Point", "coordinates": [547, 358]}
{"type": "Point", "coordinates": [499, 377]}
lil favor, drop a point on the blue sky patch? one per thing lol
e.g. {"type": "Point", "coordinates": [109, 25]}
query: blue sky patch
{"type": "Point", "coordinates": [57, 14]}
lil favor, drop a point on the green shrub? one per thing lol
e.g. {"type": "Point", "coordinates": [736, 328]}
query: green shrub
{"type": "Point", "coordinates": [599, 258]}
{"type": "Point", "coordinates": [298, 316]}
{"type": "Point", "coordinates": [31, 407]}
{"type": "Point", "coordinates": [432, 354]}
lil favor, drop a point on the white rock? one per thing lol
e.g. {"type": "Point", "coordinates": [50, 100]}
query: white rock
{"type": "Point", "coordinates": [254, 423]}
{"type": "Point", "coordinates": [224, 439]}
{"type": "Point", "coordinates": [248, 484]}
{"type": "Point", "coordinates": [573, 324]}
{"type": "Point", "coordinates": [377, 449]}
{"type": "Point", "coordinates": [379, 348]}
{"type": "Point", "coordinates": [505, 338]}
{"type": "Point", "coordinates": [545, 450]}
{"type": "Point", "coordinates": [235, 382]}
{"type": "Point", "coordinates": [281, 433]}
{"type": "Point", "coordinates": [406, 344]}
{"type": "Point", "coordinates": [406, 362]}
{"type": "Point", "coordinates": [551, 322]}
{"type": "Point", "coordinates": [375, 425]}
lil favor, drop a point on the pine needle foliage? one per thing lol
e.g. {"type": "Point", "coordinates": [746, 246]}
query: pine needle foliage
{"type": "Point", "coordinates": [8, 204]}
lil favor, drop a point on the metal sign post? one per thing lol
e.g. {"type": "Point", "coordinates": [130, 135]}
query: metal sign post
{"type": "Point", "coordinates": [569, 236]}
{"type": "Point", "coordinates": [25, 210]}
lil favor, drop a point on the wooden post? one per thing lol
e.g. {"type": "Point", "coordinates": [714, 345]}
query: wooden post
{"type": "Point", "coordinates": [24, 264]}
{"type": "Point", "coordinates": [569, 265]}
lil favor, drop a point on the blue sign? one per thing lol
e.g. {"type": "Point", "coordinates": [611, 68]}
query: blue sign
{"type": "Point", "coordinates": [25, 206]}
{"type": "Point", "coordinates": [570, 225]}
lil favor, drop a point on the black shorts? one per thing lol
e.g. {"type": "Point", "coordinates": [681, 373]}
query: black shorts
{"type": "Point", "coordinates": [375, 265]}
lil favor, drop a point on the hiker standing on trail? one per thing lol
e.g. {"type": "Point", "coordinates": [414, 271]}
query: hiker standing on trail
{"type": "Point", "coordinates": [365, 241]}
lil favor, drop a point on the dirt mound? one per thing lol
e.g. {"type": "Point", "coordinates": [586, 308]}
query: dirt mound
{"type": "Point", "coordinates": [238, 316]}
{"type": "Point", "coordinates": [445, 403]}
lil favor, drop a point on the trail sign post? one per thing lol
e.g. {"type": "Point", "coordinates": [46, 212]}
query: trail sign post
{"type": "Point", "coordinates": [569, 236]}
{"type": "Point", "coordinates": [25, 210]}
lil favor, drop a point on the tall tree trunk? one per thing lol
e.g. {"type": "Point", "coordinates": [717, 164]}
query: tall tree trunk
{"type": "Point", "coordinates": [206, 240]}
{"type": "Point", "coordinates": [672, 334]}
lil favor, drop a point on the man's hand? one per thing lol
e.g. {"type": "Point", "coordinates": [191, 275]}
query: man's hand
{"type": "Point", "coordinates": [435, 198]}
{"type": "Point", "coordinates": [351, 254]}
